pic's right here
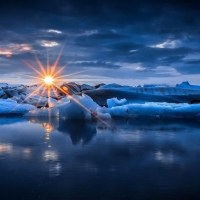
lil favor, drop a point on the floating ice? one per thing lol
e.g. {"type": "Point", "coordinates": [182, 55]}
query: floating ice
{"type": "Point", "coordinates": [36, 100]}
{"type": "Point", "coordinates": [1, 92]}
{"type": "Point", "coordinates": [144, 94]}
{"type": "Point", "coordinates": [12, 107]}
{"type": "Point", "coordinates": [166, 110]}
{"type": "Point", "coordinates": [188, 86]}
{"type": "Point", "coordinates": [112, 85]}
{"type": "Point", "coordinates": [115, 102]}
{"type": "Point", "coordinates": [77, 107]}
{"type": "Point", "coordinates": [87, 87]}
{"type": "Point", "coordinates": [103, 114]}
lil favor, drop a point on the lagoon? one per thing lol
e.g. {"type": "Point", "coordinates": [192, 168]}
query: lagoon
{"type": "Point", "coordinates": [138, 158]}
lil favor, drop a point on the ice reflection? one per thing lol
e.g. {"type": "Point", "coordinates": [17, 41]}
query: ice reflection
{"type": "Point", "coordinates": [49, 124]}
{"type": "Point", "coordinates": [78, 130]}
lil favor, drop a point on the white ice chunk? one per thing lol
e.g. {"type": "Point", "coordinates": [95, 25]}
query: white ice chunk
{"type": "Point", "coordinates": [78, 107]}
{"type": "Point", "coordinates": [52, 102]}
{"type": "Point", "coordinates": [36, 100]}
{"type": "Point", "coordinates": [115, 102]}
{"type": "Point", "coordinates": [104, 116]}
{"type": "Point", "coordinates": [12, 107]}
{"type": "Point", "coordinates": [1, 92]}
{"type": "Point", "coordinates": [112, 85]}
{"type": "Point", "coordinates": [103, 113]}
{"type": "Point", "coordinates": [3, 85]}
{"type": "Point", "coordinates": [87, 87]}
{"type": "Point", "coordinates": [169, 110]}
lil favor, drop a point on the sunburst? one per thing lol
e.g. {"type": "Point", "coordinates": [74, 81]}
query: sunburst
{"type": "Point", "coordinates": [48, 77]}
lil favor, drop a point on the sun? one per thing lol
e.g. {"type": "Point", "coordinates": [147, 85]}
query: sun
{"type": "Point", "coordinates": [48, 80]}
{"type": "Point", "coordinates": [49, 76]}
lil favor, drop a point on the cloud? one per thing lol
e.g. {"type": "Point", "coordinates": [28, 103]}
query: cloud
{"type": "Point", "coordinates": [149, 36]}
{"type": "Point", "coordinates": [171, 44]}
{"type": "Point", "coordinates": [54, 31]}
{"type": "Point", "coordinates": [49, 44]}
{"type": "Point", "coordinates": [94, 64]}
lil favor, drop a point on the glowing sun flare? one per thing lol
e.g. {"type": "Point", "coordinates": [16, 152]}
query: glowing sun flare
{"type": "Point", "coordinates": [48, 80]}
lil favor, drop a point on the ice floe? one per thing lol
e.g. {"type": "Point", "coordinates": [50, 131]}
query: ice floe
{"type": "Point", "coordinates": [102, 101]}
{"type": "Point", "coordinates": [12, 107]}
{"type": "Point", "coordinates": [156, 109]}
{"type": "Point", "coordinates": [77, 107]}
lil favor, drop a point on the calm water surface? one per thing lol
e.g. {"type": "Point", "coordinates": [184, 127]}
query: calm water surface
{"type": "Point", "coordinates": [130, 159]}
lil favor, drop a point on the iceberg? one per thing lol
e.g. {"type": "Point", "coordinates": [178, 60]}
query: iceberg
{"type": "Point", "coordinates": [36, 100]}
{"type": "Point", "coordinates": [144, 94]}
{"type": "Point", "coordinates": [188, 86]}
{"type": "Point", "coordinates": [11, 107]}
{"type": "Point", "coordinates": [103, 114]}
{"type": "Point", "coordinates": [115, 102]}
{"type": "Point", "coordinates": [86, 87]}
{"type": "Point", "coordinates": [105, 101]}
{"type": "Point", "coordinates": [1, 92]}
{"type": "Point", "coordinates": [77, 107]}
{"type": "Point", "coordinates": [156, 109]}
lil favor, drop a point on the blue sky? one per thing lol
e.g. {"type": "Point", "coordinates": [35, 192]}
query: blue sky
{"type": "Point", "coordinates": [128, 42]}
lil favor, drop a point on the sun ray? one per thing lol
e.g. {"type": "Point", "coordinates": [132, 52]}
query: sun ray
{"type": "Point", "coordinates": [40, 65]}
{"type": "Point", "coordinates": [38, 72]}
{"type": "Point", "coordinates": [54, 91]}
{"type": "Point", "coordinates": [33, 92]}
{"type": "Point", "coordinates": [59, 71]}
{"type": "Point", "coordinates": [53, 68]}
{"type": "Point", "coordinates": [48, 79]}
{"type": "Point", "coordinates": [44, 90]}
{"type": "Point", "coordinates": [59, 77]}
{"type": "Point", "coordinates": [48, 69]}
{"type": "Point", "coordinates": [28, 75]}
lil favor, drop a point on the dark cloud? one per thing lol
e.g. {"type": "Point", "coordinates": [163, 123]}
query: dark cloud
{"type": "Point", "coordinates": [101, 34]}
{"type": "Point", "coordinates": [95, 64]}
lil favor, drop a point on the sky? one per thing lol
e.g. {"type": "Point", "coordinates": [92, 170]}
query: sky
{"type": "Point", "coordinates": [128, 42]}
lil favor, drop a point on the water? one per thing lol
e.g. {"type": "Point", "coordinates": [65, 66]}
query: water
{"type": "Point", "coordinates": [130, 159]}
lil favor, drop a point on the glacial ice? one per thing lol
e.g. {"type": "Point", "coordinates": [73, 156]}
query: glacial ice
{"type": "Point", "coordinates": [156, 109]}
{"type": "Point", "coordinates": [77, 107]}
{"type": "Point", "coordinates": [1, 92]}
{"type": "Point", "coordinates": [158, 101]}
{"type": "Point", "coordinates": [115, 102]}
{"type": "Point", "coordinates": [12, 107]}
{"type": "Point", "coordinates": [103, 113]}
{"type": "Point", "coordinates": [86, 87]}
{"type": "Point", "coordinates": [144, 94]}
{"type": "Point", "coordinates": [186, 85]}
{"type": "Point", "coordinates": [36, 100]}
